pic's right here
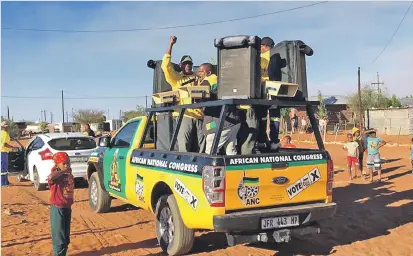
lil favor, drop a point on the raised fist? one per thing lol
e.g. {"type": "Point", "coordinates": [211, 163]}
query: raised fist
{"type": "Point", "coordinates": [173, 40]}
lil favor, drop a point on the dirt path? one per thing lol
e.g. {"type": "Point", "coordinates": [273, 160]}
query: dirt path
{"type": "Point", "coordinates": [372, 219]}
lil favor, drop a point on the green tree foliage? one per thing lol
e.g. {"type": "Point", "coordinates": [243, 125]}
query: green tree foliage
{"type": "Point", "coordinates": [89, 116]}
{"type": "Point", "coordinates": [321, 109]}
{"type": "Point", "coordinates": [140, 111]}
{"type": "Point", "coordinates": [43, 127]}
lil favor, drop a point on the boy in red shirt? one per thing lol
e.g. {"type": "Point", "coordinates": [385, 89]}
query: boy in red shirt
{"type": "Point", "coordinates": [287, 142]}
{"type": "Point", "coordinates": [61, 184]}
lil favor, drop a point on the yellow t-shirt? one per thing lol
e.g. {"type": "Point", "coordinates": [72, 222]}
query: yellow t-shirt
{"type": "Point", "coordinates": [177, 80]}
{"type": "Point", "coordinates": [5, 138]}
{"type": "Point", "coordinates": [265, 61]}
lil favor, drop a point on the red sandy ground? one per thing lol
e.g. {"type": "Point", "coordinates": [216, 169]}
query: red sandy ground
{"type": "Point", "coordinates": [372, 219]}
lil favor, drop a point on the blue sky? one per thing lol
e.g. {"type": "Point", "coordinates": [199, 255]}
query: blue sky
{"type": "Point", "coordinates": [344, 35]}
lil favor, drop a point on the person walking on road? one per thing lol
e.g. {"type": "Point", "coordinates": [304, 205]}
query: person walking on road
{"type": "Point", "coordinates": [5, 149]}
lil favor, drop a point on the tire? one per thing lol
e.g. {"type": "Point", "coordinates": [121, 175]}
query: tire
{"type": "Point", "coordinates": [182, 238]}
{"type": "Point", "coordinates": [36, 182]}
{"type": "Point", "coordinates": [99, 199]}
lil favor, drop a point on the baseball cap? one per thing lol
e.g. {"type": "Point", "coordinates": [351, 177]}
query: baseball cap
{"type": "Point", "coordinates": [267, 41]}
{"type": "Point", "coordinates": [186, 58]}
{"type": "Point", "coordinates": [4, 124]}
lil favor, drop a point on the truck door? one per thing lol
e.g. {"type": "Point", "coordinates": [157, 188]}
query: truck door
{"type": "Point", "coordinates": [16, 161]}
{"type": "Point", "coordinates": [114, 162]}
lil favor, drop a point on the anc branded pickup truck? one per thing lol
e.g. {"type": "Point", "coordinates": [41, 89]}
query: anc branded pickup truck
{"type": "Point", "coordinates": [265, 197]}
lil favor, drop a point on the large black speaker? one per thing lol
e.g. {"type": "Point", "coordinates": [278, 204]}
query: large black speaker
{"type": "Point", "coordinates": [288, 64]}
{"type": "Point", "coordinates": [239, 70]}
{"type": "Point", "coordinates": [159, 82]}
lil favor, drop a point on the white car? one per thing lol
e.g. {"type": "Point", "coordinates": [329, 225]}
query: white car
{"type": "Point", "coordinates": [39, 152]}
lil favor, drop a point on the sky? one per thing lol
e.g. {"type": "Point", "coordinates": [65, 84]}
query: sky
{"type": "Point", "coordinates": [343, 35]}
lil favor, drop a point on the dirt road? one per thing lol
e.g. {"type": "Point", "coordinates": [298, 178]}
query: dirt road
{"type": "Point", "coordinates": [372, 219]}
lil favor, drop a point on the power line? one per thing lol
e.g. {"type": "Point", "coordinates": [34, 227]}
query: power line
{"type": "Point", "coordinates": [167, 27]}
{"type": "Point", "coordinates": [73, 98]}
{"type": "Point", "coordinates": [395, 32]}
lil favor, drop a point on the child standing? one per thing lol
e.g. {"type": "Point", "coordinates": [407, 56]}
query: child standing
{"type": "Point", "coordinates": [352, 148]}
{"type": "Point", "coordinates": [359, 139]}
{"type": "Point", "coordinates": [373, 154]}
{"type": "Point", "coordinates": [61, 184]}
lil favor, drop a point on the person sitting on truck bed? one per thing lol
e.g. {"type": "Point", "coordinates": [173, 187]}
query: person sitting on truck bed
{"type": "Point", "coordinates": [191, 126]}
{"type": "Point", "coordinates": [228, 138]}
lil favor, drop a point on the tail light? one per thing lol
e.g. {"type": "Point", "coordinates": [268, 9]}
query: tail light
{"type": "Point", "coordinates": [213, 180]}
{"type": "Point", "coordinates": [46, 154]}
{"type": "Point", "coordinates": [330, 177]}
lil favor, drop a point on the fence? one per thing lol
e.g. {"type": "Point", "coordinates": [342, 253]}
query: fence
{"type": "Point", "coordinates": [393, 121]}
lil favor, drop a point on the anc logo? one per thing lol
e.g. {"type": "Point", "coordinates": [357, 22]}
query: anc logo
{"type": "Point", "coordinates": [248, 190]}
{"type": "Point", "coordinates": [114, 182]}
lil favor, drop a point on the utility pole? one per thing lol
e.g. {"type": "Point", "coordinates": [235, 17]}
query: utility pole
{"type": "Point", "coordinates": [73, 115]}
{"type": "Point", "coordinates": [146, 101]}
{"type": "Point", "coordinates": [51, 117]}
{"type": "Point", "coordinates": [63, 108]}
{"type": "Point", "coordinates": [45, 118]}
{"type": "Point", "coordinates": [8, 113]}
{"type": "Point", "coordinates": [359, 94]}
{"type": "Point", "coordinates": [41, 115]}
{"type": "Point", "coordinates": [120, 114]}
{"type": "Point", "coordinates": [378, 83]}
{"type": "Point", "coordinates": [108, 114]}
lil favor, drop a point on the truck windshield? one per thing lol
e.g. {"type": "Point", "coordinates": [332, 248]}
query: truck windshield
{"type": "Point", "coordinates": [65, 144]}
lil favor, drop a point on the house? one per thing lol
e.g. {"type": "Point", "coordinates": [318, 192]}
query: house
{"type": "Point", "coordinates": [337, 109]}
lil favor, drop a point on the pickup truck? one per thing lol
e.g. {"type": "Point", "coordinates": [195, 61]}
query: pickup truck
{"type": "Point", "coordinates": [266, 197]}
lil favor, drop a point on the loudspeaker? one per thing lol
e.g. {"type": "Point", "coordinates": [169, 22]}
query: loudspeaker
{"type": "Point", "coordinates": [288, 64]}
{"type": "Point", "coordinates": [159, 82]}
{"type": "Point", "coordinates": [276, 89]}
{"type": "Point", "coordinates": [239, 70]}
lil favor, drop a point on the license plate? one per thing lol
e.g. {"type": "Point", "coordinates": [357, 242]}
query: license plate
{"type": "Point", "coordinates": [280, 222]}
{"type": "Point", "coordinates": [78, 159]}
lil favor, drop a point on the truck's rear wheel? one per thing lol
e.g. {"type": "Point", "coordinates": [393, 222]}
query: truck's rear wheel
{"type": "Point", "coordinates": [173, 236]}
{"type": "Point", "coordinates": [99, 199]}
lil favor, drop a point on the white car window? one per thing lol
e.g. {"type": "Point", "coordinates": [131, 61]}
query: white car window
{"type": "Point", "coordinates": [66, 144]}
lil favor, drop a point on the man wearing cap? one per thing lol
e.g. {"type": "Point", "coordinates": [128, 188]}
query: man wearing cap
{"type": "Point", "coordinates": [5, 147]}
{"type": "Point", "coordinates": [191, 126]}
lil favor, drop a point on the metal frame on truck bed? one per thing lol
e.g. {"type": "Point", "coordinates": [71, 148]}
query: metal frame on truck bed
{"type": "Point", "coordinates": [267, 104]}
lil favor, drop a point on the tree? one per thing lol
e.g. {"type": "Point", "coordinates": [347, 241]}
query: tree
{"type": "Point", "coordinates": [394, 102]}
{"type": "Point", "coordinates": [89, 116]}
{"type": "Point", "coordinates": [140, 111]}
{"type": "Point", "coordinates": [43, 127]}
{"type": "Point", "coordinates": [371, 98]}
{"type": "Point", "coordinates": [322, 112]}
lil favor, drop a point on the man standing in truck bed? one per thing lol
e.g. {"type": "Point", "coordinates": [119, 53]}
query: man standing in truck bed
{"type": "Point", "coordinates": [191, 126]}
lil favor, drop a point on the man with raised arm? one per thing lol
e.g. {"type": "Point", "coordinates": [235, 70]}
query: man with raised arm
{"type": "Point", "coordinates": [190, 136]}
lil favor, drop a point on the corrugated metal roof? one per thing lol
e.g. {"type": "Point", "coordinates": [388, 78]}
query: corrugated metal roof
{"type": "Point", "coordinates": [332, 99]}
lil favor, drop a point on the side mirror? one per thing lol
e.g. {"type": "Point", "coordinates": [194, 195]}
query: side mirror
{"type": "Point", "coordinates": [104, 141]}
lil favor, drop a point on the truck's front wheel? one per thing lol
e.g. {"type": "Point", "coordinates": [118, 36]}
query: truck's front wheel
{"type": "Point", "coordinates": [173, 236]}
{"type": "Point", "coordinates": [99, 199]}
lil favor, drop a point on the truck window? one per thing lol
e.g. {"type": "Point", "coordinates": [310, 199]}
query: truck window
{"type": "Point", "coordinates": [125, 136]}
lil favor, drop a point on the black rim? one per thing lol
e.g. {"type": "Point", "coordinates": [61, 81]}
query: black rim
{"type": "Point", "coordinates": [166, 226]}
